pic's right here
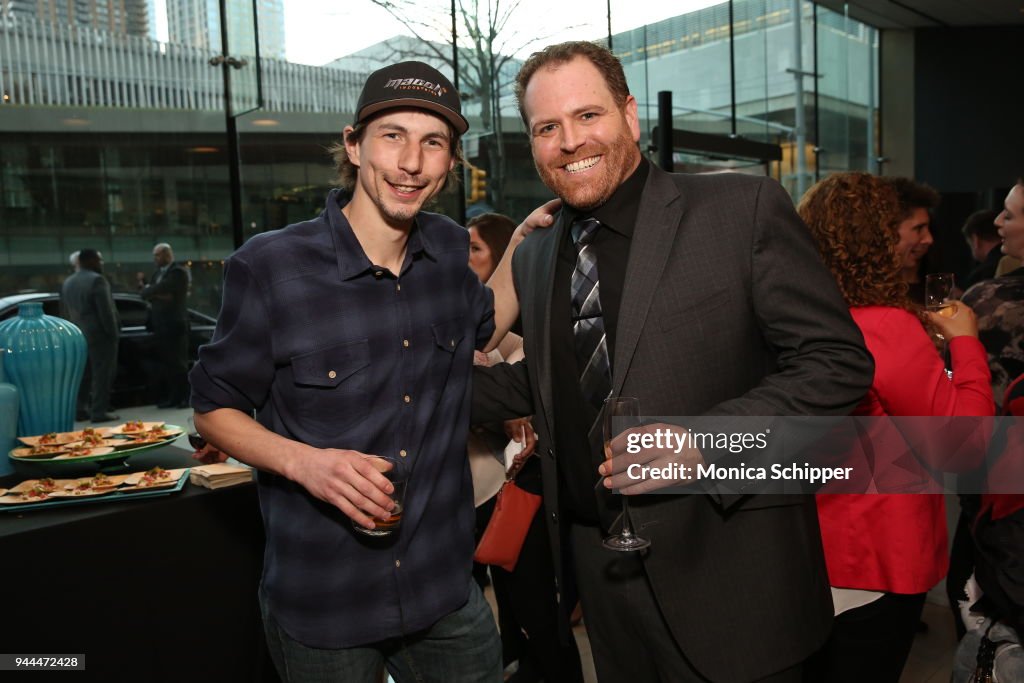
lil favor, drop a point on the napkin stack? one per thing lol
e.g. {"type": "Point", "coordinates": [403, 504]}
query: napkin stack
{"type": "Point", "coordinates": [219, 475]}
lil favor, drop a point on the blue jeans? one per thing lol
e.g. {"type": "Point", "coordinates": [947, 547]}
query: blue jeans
{"type": "Point", "coordinates": [463, 647]}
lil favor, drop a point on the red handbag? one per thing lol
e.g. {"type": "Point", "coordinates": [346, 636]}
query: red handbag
{"type": "Point", "coordinates": [503, 538]}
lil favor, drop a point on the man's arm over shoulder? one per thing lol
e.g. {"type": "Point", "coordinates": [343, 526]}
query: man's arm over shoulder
{"type": "Point", "coordinates": [823, 367]}
{"type": "Point", "coordinates": [501, 392]}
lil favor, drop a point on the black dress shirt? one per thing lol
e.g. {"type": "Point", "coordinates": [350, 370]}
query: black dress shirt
{"type": "Point", "coordinates": [577, 461]}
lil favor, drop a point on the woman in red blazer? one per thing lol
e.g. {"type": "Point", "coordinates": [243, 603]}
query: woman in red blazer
{"type": "Point", "coordinates": [885, 551]}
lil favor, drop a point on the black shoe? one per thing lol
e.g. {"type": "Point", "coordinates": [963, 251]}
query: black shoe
{"type": "Point", "coordinates": [165, 404]}
{"type": "Point", "coordinates": [184, 404]}
{"type": "Point", "coordinates": [109, 417]}
{"type": "Point", "coordinates": [82, 415]}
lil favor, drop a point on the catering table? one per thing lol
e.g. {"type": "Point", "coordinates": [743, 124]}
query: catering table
{"type": "Point", "coordinates": [161, 589]}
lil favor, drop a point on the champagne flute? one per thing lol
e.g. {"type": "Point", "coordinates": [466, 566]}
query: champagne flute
{"type": "Point", "coordinates": [619, 414]}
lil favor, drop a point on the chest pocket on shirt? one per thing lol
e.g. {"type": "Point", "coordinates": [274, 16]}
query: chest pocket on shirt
{"type": "Point", "coordinates": [448, 336]}
{"type": "Point", "coordinates": [329, 386]}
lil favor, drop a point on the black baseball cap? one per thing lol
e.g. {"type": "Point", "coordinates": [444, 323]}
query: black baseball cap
{"type": "Point", "coordinates": [411, 84]}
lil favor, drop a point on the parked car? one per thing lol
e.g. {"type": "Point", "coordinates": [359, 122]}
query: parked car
{"type": "Point", "coordinates": [136, 375]}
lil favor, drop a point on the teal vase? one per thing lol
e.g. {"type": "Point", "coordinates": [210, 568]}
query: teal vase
{"type": "Point", "coordinates": [44, 360]}
{"type": "Point", "coordinates": [8, 418]}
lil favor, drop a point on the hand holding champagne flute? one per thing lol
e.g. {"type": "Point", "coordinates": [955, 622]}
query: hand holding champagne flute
{"type": "Point", "coordinates": [620, 414]}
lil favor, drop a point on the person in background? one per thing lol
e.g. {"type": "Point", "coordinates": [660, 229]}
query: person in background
{"type": "Point", "coordinates": [885, 551]}
{"type": "Point", "coordinates": [917, 202]}
{"type": "Point", "coordinates": [86, 301]}
{"type": "Point", "coordinates": [82, 400]}
{"type": "Point", "coordinates": [1000, 301]}
{"type": "Point", "coordinates": [167, 292]}
{"type": "Point", "coordinates": [532, 631]}
{"type": "Point", "coordinates": [489, 237]}
{"type": "Point", "coordinates": [983, 240]}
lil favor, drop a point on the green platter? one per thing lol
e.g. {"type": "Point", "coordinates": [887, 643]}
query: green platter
{"type": "Point", "coordinates": [106, 459]}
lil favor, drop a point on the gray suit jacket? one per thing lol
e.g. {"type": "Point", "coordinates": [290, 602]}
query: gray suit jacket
{"type": "Point", "coordinates": [85, 300]}
{"type": "Point", "coordinates": [726, 310]}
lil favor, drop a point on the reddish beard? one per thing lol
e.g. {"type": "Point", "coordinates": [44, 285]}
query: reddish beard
{"type": "Point", "coordinates": [591, 190]}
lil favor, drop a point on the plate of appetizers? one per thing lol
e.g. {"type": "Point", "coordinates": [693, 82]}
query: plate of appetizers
{"type": "Point", "coordinates": [94, 445]}
{"type": "Point", "coordinates": [48, 492]}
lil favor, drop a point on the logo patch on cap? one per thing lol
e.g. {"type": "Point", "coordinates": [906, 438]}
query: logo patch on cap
{"type": "Point", "coordinates": [416, 84]}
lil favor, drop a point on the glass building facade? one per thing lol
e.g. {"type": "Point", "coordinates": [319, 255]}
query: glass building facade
{"type": "Point", "coordinates": [118, 141]}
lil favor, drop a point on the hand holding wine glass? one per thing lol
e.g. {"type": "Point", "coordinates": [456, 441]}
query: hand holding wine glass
{"type": "Point", "coordinates": [956, 320]}
{"type": "Point", "coordinates": [620, 414]}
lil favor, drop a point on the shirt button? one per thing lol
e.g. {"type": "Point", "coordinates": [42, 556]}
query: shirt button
{"type": "Point", "coordinates": [379, 274]}
{"type": "Point", "coordinates": [407, 398]}
{"type": "Point", "coordinates": [403, 453]}
{"type": "Point", "coordinates": [405, 343]}
{"type": "Point", "coordinates": [398, 288]}
{"type": "Point", "coordinates": [398, 563]}
{"type": "Point", "coordinates": [554, 517]}
{"type": "Point", "coordinates": [332, 374]}
{"type": "Point", "coordinates": [451, 343]}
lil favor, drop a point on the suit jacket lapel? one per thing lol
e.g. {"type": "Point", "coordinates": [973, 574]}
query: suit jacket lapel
{"type": "Point", "coordinates": [661, 212]}
{"type": "Point", "coordinates": [540, 276]}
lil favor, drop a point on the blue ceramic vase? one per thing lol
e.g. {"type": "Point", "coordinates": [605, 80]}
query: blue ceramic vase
{"type": "Point", "coordinates": [8, 418]}
{"type": "Point", "coordinates": [44, 360]}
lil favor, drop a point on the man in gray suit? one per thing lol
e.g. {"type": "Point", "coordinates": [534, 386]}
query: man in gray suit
{"type": "Point", "coordinates": [711, 301]}
{"type": "Point", "coordinates": [86, 301]}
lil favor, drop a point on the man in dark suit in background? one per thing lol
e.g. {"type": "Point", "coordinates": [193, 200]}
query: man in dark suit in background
{"type": "Point", "coordinates": [86, 301]}
{"type": "Point", "coordinates": [711, 300]}
{"type": "Point", "coordinates": [984, 241]}
{"type": "Point", "coordinates": [167, 292]}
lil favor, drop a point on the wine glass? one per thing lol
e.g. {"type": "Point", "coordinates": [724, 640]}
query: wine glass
{"type": "Point", "coordinates": [938, 290]}
{"type": "Point", "coordinates": [620, 414]}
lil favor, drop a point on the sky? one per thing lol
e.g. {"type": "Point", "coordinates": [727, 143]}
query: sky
{"type": "Point", "coordinates": [318, 31]}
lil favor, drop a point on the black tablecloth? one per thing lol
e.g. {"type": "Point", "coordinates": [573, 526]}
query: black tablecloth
{"type": "Point", "coordinates": [160, 589]}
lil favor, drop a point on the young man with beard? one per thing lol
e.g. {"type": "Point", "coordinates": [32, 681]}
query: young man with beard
{"type": "Point", "coordinates": [700, 295]}
{"type": "Point", "coordinates": [353, 334]}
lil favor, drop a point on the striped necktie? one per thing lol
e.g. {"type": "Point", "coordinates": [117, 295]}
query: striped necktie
{"type": "Point", "coordinates": [588, 322]}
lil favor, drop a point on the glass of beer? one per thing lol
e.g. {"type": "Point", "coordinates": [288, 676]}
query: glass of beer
{"type": "Point", "coordinates": [397, 472]}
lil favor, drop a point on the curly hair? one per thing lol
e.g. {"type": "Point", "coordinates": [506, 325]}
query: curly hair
{"type": "Point", "coordinates": [562, 53]}
{"type": "Point", "coordinates": [854, 218]}
{"type": "Point", "coordinates": [914, 195]}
